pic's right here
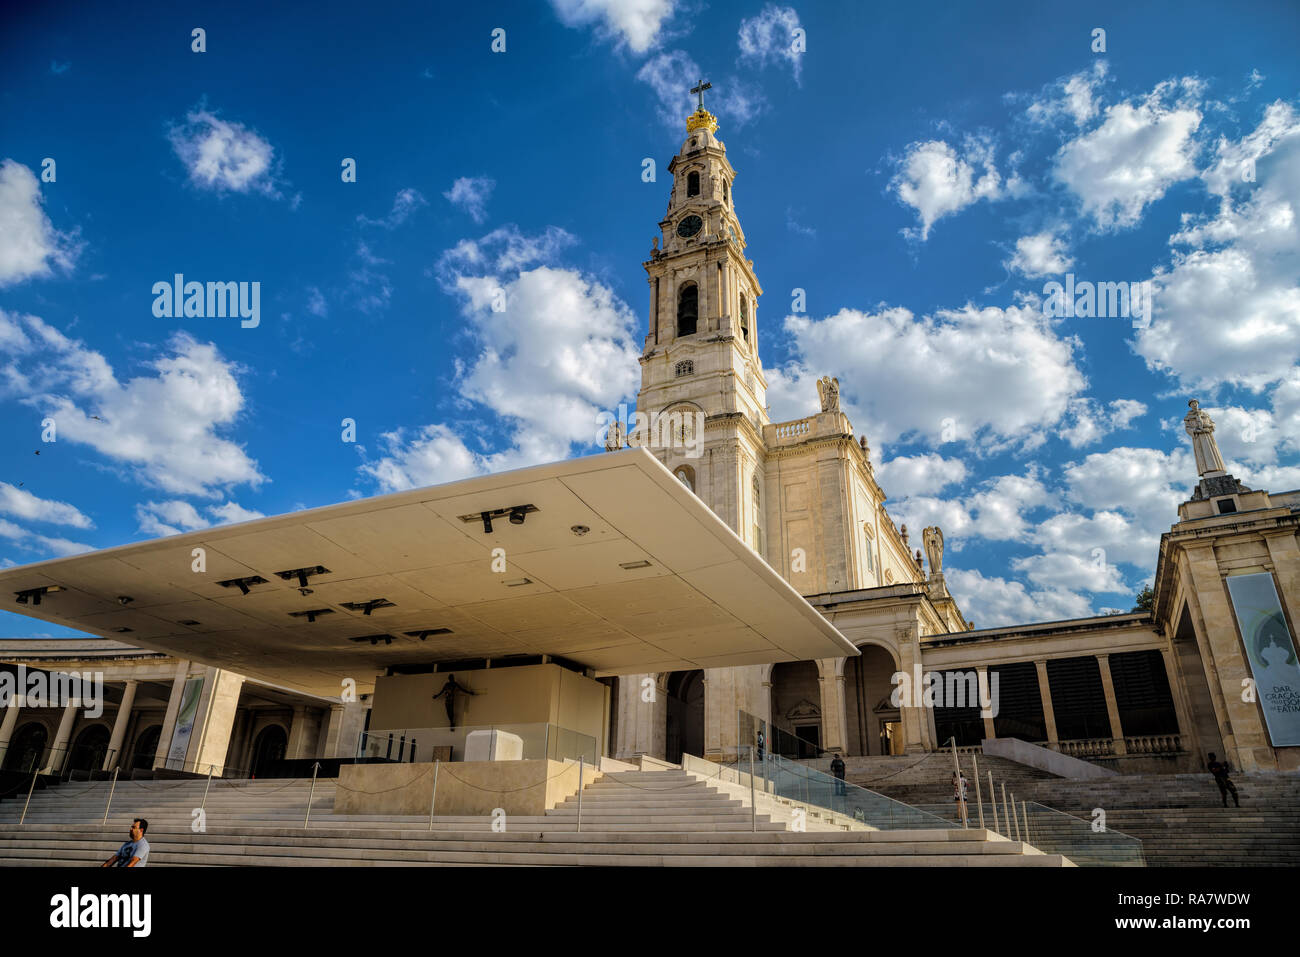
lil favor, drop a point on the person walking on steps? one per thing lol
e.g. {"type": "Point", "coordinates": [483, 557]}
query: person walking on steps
{"type": "Point", "coordinates": [959, 789]}
{"type": "Point", "coordinates": [1221, 770]}
{"type": "Point", "coordinates": [837, 769]}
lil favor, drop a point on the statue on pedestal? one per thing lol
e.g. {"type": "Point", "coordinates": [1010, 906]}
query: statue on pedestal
{"type": "Point", "coordinates": [1200, 427]}
{"type": "Point", "coordinates": [828, 390]}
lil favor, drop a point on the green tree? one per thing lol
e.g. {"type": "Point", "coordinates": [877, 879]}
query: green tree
{"type": "Point", "coordinates": [1145, 599]}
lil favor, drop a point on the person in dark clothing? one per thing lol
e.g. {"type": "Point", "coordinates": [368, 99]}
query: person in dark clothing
{"type": "Point", "coordinates": [449, 690]}
{"type": "Point", "coordinates": [837, 769]}
{"type": "Point", "coordinates": [1220, 770]}
{"type": "Point", "coordinates": [762, 741]}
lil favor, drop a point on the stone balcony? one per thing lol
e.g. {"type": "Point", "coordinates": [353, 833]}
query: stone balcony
{"type": "Point", "coordinates": [798, 431]}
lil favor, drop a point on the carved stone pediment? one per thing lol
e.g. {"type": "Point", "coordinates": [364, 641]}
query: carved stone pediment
{"type": "Point", "coordinates": [804, 709]}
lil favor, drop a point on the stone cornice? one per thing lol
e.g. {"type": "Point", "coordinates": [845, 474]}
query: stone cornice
{"type": "Point", "coordinates": [1203, 536]}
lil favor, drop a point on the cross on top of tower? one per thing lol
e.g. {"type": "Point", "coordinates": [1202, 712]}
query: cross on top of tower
{"type": "Point", "coordinates": [699, 91]}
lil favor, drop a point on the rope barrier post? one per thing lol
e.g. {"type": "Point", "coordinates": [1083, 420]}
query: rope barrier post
{"type": "Point", "coordinates": [753, 803]}
{"type": "Point", "coordinates": [204, 805]}
{"type": "Point", "coordinates": [111, 788]}
{"type": "Point", "coordinates": [979, 795]}
{"type": "Point", "coordinates": [1024, 814]}
{"type": "Point", "coordinates": [581, 761]}
{"type": "Point", "coordinates": [433, 798]}
{"type": "Point", "coordinates": [993, 802]}
{"type": "Point", "coordinates": [312, 793]}
{"type": "Point", "coordinates": [29, 792]}
{"type": "Point", "coordinates": [1015, 818]}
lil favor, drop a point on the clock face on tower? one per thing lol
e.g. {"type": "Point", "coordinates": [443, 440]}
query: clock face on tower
{"type": "Point", "coordinates": [689, 226]}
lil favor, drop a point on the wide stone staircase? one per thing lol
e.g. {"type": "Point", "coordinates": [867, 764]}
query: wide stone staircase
{"type": "Point", "coordinates": [1180, 818]}
{"type": "Point", "coordinates": [658, 817]}
{"type": "Point", "coordinates": [924, 779]}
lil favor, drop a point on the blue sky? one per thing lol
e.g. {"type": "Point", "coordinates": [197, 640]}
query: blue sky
{"type": "Point", "coordinates": [920, 170]}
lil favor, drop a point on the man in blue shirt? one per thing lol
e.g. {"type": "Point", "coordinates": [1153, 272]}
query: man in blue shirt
{"type": "Point", "coordinates": [135, 852]}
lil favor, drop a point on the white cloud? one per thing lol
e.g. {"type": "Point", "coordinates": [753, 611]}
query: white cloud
{"type": "Point", "coordinates": [175, 516]}
{"type": "Point", "coordinates": [1228, 311]}
{"type": "Point", "coordinates": [986, 376]}
{"type": "Point", "coordinates": [1134, 156]}
{"type": "Point", "coordinates": [168, 518]}
{"type": "Point", "coordinates": [1075, 97]}
{"type": "Point", "coordinates": [30, 541]}
{"type": "Point", "coordinates": [555, 349]}
{"type": "Point", "coordinates": [405, 203]}
{"type": "Point", "coordinates": [163, 425]}
{"type": "Point", "coordinates": [224, 156]}
{"type": "Point", "coordinates": [228, 513]}
{"type": "Point", "coordinates": [471, 193]}
{"type": "Point", "coordinates": [316, 303]}
{"type": "Point", "coordinates": [997, 511]}
{"type": "Point", "coordinates": [905, 475]}
{"type": "Point", "coordinates": [672, 74]}
{"type": "Point", "coordinates": [769, 37]}
{"type": "Point", "coordinates": [369, 287]}
{"type": "Point", "coordinates": [936, 180]}
{"type": "Point", "coordinates": [1091, 422]}
{"type": "Point", "coordinates": [1040, 254]}
{"type": "Point", "coordinates": [29, 243]}
{"type": "Point", "coordinates": [435, 454]}
{"type": "Point", "coordinates": [994, 602]}
{"type": "Point", "coordinates": [1063, 571]}
{"type": "Point", "coordinates": [635, 23]}
{"type": "Point", "coordinates": [21, 503]}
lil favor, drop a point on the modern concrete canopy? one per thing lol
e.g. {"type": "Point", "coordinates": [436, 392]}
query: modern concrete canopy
{"type": "Point", "coordinates": [621, 569]}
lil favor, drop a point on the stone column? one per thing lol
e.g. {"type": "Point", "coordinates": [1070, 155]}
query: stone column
{"type": "Point", "coordinates": [1112, 705]}
{"type": "Point", "coordinates": [1186, 727]}
{"type": "Point", "coordinates": [1248, 744]}
{"type": "Point", "coordinates": [835, 721]}
{"type": "Point", "coordinates": [297, 733]}
{"type": "Point", "coordinates": [982, 676]}
{"type": "Point", "coordinates": [169, 717]}
{"type": "Point", "coordinates": [642, 710]}
{"type": "Point", "coordinates": [59, 752]}
{"type": "Point", "coordinates": [114, 755]}
{"type": "Point", "coordinates": [7, 726]}
{"type": "Point", "coordinates": [1049, 713]}
{"type": "Point", "coordinates": [331, 724]}
{"type": "Point", "coordinates": [916, 725]}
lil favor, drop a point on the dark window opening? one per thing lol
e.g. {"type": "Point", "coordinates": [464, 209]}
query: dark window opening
{"type": "Point", "coordinates": [1226, 506]}
{"type": "Point", "coordinates": [688, 304]}
{"type": "Point", "coordinates": [693, 184]}
{"type": "Point", "coordinates": [1078, 699]}
{"type": "Point", "coordinates": [1146, 704]}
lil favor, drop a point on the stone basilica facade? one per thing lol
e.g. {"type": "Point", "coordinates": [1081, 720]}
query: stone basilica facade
{"type": "Point", "coordinates": [1137, 691]}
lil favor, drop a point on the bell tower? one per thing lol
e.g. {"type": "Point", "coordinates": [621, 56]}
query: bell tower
{"type": "Point", "coordinates": [700, 366]}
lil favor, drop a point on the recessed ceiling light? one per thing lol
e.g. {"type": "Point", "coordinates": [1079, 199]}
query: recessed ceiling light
{"type": "Point", "coordinates": [188, 622]}
{"type": "Point", "coordinates": [631, 565]}
{"type": "Point", "coordinates": [579, 530]}
{"type": "Point", "coordinates": [426, 632]}
{"type": "Point", "coordinates": [519, 581]}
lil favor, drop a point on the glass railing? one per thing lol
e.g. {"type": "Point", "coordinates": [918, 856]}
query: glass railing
{"type": "Point", "coordinates": [1052, 832]}
{"type": "Point", "coordinates": [477, 743]}
{"type": "Point", "coordinates": [801, 781]}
